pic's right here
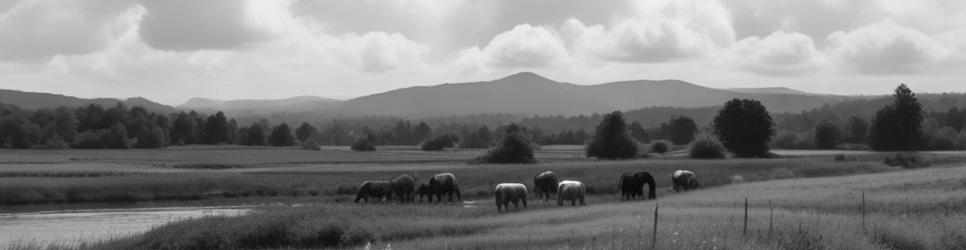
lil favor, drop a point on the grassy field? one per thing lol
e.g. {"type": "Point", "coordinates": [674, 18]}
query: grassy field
{"type": "Point", "coordinates": [914, 209]}
{"type": "Point", "coordinates": [246, 174]}
{"type": "Point", "coordinates": [808, 212]}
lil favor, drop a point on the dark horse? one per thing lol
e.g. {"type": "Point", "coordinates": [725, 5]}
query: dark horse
{"type": "Point", "coordinates": [373, 189]}
{"type": "Point", "coordinates": [444, 184]}
{"type": "Point", "coordinates": [632, 185]}
{"type": "Point", "coordinates": [402, 187]}
{"type": "Point", "coordinates": [545, 184]}
{"type": "Point", "coordinates": [424, 190]}
{"type": "Point", "coordinates": [684, 180]}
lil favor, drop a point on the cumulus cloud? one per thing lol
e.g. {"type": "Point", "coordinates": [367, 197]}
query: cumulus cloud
{"type": "Point", "coordinates": [37, 30]}
{"type": "Point", "coordinates": [779, 53]}
{"type": "Point", "coordinates": [211, 24]}
{"type": "Point", "coordinates": [885, 48]}
{"type": "Point", "coordinates": [523, 46]}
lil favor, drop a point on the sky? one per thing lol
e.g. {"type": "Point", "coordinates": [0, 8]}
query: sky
{"type": "Point", "coordinates": [172, 50]}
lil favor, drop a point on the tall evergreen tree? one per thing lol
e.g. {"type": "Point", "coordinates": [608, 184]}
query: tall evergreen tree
{"type": "Point", "coordinates": [898, 126]}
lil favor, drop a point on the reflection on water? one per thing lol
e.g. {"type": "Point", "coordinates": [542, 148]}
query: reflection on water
{"type": "Point", "coordinates": [76, 226]}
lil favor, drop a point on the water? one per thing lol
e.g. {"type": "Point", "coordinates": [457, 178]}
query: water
{"type": "Point", "coordinates": [78, 226]}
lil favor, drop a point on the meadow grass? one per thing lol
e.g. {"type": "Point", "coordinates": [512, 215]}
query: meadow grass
{"type": "Point", "coordinates": [333, 181]}
{"type": "Point", "coordinates": [811, 213]}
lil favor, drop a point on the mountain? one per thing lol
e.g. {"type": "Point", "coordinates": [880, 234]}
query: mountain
{"type": "Point", "coordinates": [36, 100]}
{"type": "Point", "coordinates": [771, 90]}
{"type": "Point", "coordinates": [294, 105]}
{"type": "Point", "coordinates": [529, 93]}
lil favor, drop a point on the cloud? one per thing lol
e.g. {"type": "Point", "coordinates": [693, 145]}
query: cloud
{"type": "Point", "coordinates": [381, 52]}
{"type": "Point", "coordinates": [779, 53]}
{"type": "Point", "coordinates": [37, 30]}
{"type": "Point", "coordinates": [886, 48]}
{"type": "Point", "coordinates": [523, 46]}
{"type": "Point", "coordinates": [186, 25]}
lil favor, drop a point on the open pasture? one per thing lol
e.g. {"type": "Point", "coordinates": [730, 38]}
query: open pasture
{"type": "Point", "coordinates": [914, 209]}
{"type": "Point", "coordinates": [248, 174]}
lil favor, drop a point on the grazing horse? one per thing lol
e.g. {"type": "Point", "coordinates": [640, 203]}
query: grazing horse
{"type": "Point", "coordinates": [632, 185]}
{"type": "Point", "coordinates": [424, 190]}
{"type": "Point", "coordinates": [372, 189]}
{"type": "Point", "coordinates": [444, 184]}
{"type": "Point", "coordinates": [544, 184]}
{"type": "Point", "coordinates": [506, 193]}
{"type": "Point", "coordinates": [684, 180]}
{"type": "Point", "coordinates": [570, 191]}
{"type": "Point", "coordinates": [402, 187]}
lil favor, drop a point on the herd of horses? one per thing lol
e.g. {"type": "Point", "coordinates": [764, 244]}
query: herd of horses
{"type": "Point", "coordinates": [545, 185]}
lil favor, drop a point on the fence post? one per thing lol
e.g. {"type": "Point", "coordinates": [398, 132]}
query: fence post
{"type": "Point", "coordinates": [744, 229]}
{"type": "Point", "coordinates": [771, 216]}
{"type": "Point", "coordinates": [863, 213]}
{"type": "Point", "coordinates": [654, 231]}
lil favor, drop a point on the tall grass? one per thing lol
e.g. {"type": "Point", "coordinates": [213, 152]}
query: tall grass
{"type": "Point", "coordinates": [818, 213]}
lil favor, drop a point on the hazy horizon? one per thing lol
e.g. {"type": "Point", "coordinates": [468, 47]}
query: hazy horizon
{"type": "Point", "coordinates": [171, 51]}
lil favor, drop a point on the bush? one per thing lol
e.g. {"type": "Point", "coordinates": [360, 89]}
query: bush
{"type": "Point", "coordinates": [611, 139]}
{"type": "Point", "coordinates": [659, 147]}
{"type": "Point", "coordinates": [440, 142]}
{"type": "Point", "coordinates": [363, 144]}
{"type": "Point", "coordinates": [56, 142]}
{"type": "Point", "coordinates": [310, 144]}
{"type": "Point", "coordinates": [154, 138]}
{"type": "Point", "coordinates": [840, 157]}
{"type": "Point", "coordinates": [904, 160]}
{"type": "Point", "coordinates": [707, 148]}
{"type": "Point", "coordinates": [515, 147]}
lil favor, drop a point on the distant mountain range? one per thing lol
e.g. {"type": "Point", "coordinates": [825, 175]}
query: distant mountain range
{"type": "Point", "coordinates": [35, 100]}
{"type": "Point", "coordinates": [529, 93]}
{"type": "Point", "coordinates": [295, 105]}
{"type": "Point", "coordinates": [522, 93]}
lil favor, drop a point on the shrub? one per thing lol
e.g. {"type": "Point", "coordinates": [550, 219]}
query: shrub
{"type": "Point", "coordinates": [310, 144]}
{"type": "Point", "coordinates": [154, 138]}
{"type": "Point", "coordinates": [363, 144]}
{"type": "Point", "coordinates": [56, 142]}
{"type": "Point", "coordinates": [440, 142]}
{"type": "Point", "coordinates": [840, 157]}
{"type": "Point", "coordinates": [611, 139]}
{"type": "Point", "coordinates": [707, 148]}
{"type": "Point", "coordinates": [515, 147]}
{"type": "Point", "coordinates": [904, 160]}
{"type": "Point", "coordinates": [659, 147]}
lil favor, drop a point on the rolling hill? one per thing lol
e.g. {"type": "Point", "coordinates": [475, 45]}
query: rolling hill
{"type": "Point", "coordinates": [35, 100]}
{"type": "Point", "coordinates": [254, 107]}
{"type": "Point", "coordinates": [529, 93]}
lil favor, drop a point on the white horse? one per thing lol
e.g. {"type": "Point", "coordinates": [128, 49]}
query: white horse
{"type": "Point", "coordinates": [570, 191]}
{"type": "Point", "coordinates": [684, 180]}
{"type": "Point", "coordinates": [506, 193]}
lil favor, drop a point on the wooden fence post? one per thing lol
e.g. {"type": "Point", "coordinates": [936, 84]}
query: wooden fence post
{"type": "Point", "coordinates": [654, 230]}
{"type": "Point", "coordinates": [771, 216]}
{"type": "Point", "coordinates": [863, 213]}
{"type": "Point", "coordinates": [744, 228]}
